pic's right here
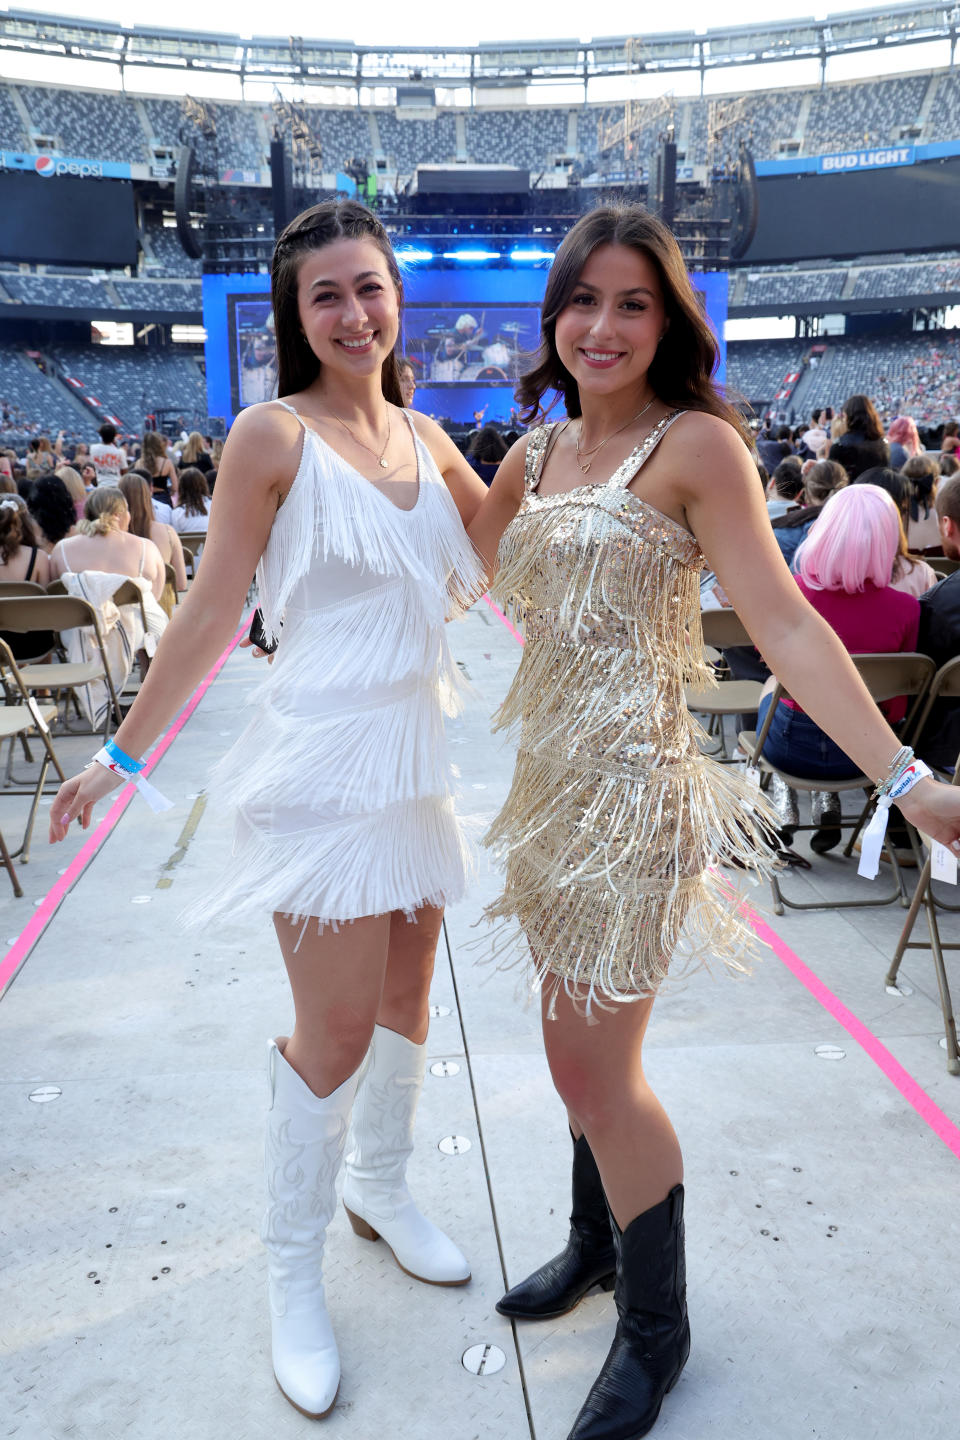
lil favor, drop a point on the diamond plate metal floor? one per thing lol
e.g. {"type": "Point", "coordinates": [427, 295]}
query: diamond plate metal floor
{"type": "Point", "coordinates": [822, 1211]}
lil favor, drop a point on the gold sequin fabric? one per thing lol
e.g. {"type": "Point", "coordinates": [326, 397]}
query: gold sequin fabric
{"type": "Point", "coordinates": [615, 819]}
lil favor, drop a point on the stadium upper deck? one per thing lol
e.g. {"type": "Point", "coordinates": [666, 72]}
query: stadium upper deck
{"type": "Point", "coordinates": [922, 108]}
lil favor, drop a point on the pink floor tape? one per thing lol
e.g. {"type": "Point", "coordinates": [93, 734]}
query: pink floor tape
{"type": "Point", "coordinates": [914, 1095]}
{"type": "Point", "coordinates": [930, 1113]}
{"type": "Point", "coordinates": [500, 615]}
{"type": "Point", "coordinates": [51, 902]}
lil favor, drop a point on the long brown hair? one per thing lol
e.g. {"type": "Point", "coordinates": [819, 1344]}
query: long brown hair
{"type": "Point", "coordinates": [194, 491]}
{"type": "Point", "coordinates": [139, 497]}
{"type": "Point", "coordinates": [682, 369]}
{"type": "Point", "coordinates": [861, 416]}
{"type": "Point", "coordinates": [153, 452]}
{"type": "Point", "coordinates": [297, 366]}
{"type": "Point", "coordinates": [15, 528]}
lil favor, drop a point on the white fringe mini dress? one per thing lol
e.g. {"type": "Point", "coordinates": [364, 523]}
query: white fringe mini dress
{"type": "Point", "coordinates": [614, 814]}
{"type": "Point", "coordinates": [341, 783]}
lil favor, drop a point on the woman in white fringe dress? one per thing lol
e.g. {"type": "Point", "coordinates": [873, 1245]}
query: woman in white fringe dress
{"type": "Point", "coordinates": [355, 510]}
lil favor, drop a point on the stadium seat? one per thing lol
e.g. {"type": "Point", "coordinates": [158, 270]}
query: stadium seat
{"type": "Point", "coordinates": [885, 676]}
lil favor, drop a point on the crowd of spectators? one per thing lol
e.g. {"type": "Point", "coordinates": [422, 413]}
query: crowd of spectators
{"type": "Point", "coordinates": [859, 510]}
{"type": "Point", "coordinates": [165, 483]}
{"type": "Point", "coordinates": [859, 505]}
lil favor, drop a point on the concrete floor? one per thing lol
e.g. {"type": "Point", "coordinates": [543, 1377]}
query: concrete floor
{"type": "Point", "coordinates": [822, 1214]}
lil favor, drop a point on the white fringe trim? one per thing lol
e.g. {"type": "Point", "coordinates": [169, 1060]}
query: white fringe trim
{"type": "Point", "coordinates": [331, 510]}
{"type": "Point", "coordinates": [355, 760]}
{"type": "Point", "coordinates": [401, 858]}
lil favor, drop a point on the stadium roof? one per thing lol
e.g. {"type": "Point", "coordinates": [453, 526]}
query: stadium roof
{"type": "Point", "coordinates": [324, 62]}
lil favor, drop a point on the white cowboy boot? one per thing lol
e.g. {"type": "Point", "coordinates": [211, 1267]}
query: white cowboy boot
{"type": "Point", "coordinates": [304, 1147]}
{"type": "Point", "coordinates": [375, 1194]}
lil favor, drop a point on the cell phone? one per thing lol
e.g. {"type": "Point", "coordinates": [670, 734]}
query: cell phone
{"type": "Point", "coordinates": [259, 636]}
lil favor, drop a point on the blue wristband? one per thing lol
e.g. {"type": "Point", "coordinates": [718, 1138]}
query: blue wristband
{"type": "Point", "coordinates": [133, 767]}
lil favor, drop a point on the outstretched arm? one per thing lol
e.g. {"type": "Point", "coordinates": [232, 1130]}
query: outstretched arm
{"type": "Point", "coordinates": [259, 461]}
{"type": "Point", "coordinates": [463, 482]}
{"type": "Point", "coordinates": [500, 506]}
{"type": "Point", "coordinates": [717, 483]}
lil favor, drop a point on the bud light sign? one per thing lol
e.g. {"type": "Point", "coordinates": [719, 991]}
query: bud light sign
{"type": "Point", "coordinates": [879, 159]}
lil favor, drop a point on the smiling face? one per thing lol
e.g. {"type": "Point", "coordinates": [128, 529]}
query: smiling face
{"type": "Point", "coordinates": [348, 306]}
{"type": "Point", "coordinates": [607, 333]}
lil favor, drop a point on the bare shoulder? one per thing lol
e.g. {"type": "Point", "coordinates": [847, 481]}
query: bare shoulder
{"type": "Point", "coordinates": [425, 426]}
{"type": "Point", "coordinates": [436, 439]}
{"type": "Point", "coordinates": [698, 428]}
{"type": "Point", "coordinates": [267, 421]}
{"type": "Point", "coordinates": [705, 451]}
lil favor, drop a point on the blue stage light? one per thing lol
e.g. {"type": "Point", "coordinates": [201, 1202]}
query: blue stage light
{"type": "Point", "coordinates": [532, 255]}
{"type": "Point", "coordinates": [471, 255]}
{"type": "Point", "coordinates": [412, 252]}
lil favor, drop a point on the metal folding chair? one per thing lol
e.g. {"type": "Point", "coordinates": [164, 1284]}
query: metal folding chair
{"type": "Point", "coordinates": [17, 720]}
{"type": "Point", "coordinates": [721, 630]}
{"type": "Point", "coordinates": [944, 686]}
{"type": "Point", "coordinates": [61, 612]}
{"type": "Point", "coordinates": [886, 676]}
{"type": "Point", "coordinates": [21, 587]}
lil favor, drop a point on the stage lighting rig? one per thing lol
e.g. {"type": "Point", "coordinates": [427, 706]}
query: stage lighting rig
{"type": "Point", "coordinates": [197, 161]}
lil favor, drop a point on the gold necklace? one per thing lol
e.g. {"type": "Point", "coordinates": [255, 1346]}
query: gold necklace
{"type": "Point", "coordinates": [593, 450]}
{"type": "Point", "coordinates": [381, 458]}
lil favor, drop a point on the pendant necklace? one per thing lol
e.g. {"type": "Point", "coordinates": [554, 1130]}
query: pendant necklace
{"type": "Point", "coordinates": [381, 459]}
{"type": "Point", "coordinates": [584, 468]}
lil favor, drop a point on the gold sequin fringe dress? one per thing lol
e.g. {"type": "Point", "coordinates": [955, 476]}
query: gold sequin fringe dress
{"type": "Point", "coordinates": [614, 817]}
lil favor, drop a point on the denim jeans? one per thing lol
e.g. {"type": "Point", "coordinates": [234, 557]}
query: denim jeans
{"type": "Point", "coordinates": [795, 744]}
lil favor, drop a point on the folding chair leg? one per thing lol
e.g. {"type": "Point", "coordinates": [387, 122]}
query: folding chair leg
{"type": "Point", "coordinates": [922, 886]}
{"type": "Point", "coordinates": [8, 866]}
{"type": "Point", "coordinates": [24, 851]}
{"type": "Point", "coordinates": [946, 1003]}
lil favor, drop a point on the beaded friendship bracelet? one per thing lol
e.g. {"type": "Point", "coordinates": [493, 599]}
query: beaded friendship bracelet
{"type": "Point", "coordinates": [900, 762]}
{"type": "Point", "coordinates": [904, 774]}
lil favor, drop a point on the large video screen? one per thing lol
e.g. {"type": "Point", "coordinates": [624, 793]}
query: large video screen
{"type": "Point", "coordinates": [253, 350]}
{"type": "Point", "coordinates": [866, 212]}
{"type": "Point", "coordinates": [469, 335]}
{"type": "Point", "coordinates": [63, 220]}
{"type": "Point", "coordinates": [455, 345]}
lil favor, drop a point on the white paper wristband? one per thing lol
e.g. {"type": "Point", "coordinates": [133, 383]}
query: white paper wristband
{"type": "Point", "coordinates": [871, 841]}
{"type": "Point", "coordinates": [150, 793]}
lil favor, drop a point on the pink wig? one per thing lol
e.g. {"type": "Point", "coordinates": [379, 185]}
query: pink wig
{"type": "Point", "coordinates": [903, 431]}
{"type": "Point", "coordinates": [853, 541]}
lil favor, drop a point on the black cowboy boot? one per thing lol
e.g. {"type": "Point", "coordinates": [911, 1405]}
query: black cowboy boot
{"type": "Point", "coordinates": [652, 1341]}
{"type": "Point", "coordinates": [588, 1258]}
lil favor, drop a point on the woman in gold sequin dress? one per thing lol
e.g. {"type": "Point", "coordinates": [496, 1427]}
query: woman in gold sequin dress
{"type": "Point", "coordinates": [600, 526]}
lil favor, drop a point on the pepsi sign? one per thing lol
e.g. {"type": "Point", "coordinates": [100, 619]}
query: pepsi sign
{"type": "Point", "coordinates": [50, 166]}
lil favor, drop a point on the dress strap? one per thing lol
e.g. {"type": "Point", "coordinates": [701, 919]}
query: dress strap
{"type": "Point", "coordinates": [537, 447]}
{"type": "Point", "coordinates": [638, 457]}
{"type": "Point", "coordinates": [33, 561]}
{"type": "Point", "coordinates": [292, 412]}
{"type": "Point", "coordinates": [143, 555]}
